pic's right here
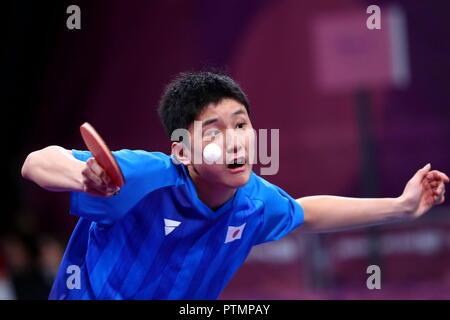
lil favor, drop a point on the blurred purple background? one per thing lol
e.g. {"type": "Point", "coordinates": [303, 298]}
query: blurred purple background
{"type": "Point", "coordinates": [112, 73]}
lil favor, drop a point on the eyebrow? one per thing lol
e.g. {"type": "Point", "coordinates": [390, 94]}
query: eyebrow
{"type": "Point", "coordinates": [240, 111]}
{"type": "Point", "coordinates": [210, 121]}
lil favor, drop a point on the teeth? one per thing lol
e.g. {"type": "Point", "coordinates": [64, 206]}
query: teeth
{"type": "Point", "coordinates": [237, 162]}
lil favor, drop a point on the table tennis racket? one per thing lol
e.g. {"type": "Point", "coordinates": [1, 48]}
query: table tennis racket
{"type": "Point", "coordinates": [102, 154]}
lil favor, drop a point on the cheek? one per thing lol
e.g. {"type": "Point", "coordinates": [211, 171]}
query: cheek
{"type": "Point", "coordinates": [198, 153]}
{"type": "Point", "coordinates": [248, 137]}
{"type": "Point", "coordinates": [211, 172]}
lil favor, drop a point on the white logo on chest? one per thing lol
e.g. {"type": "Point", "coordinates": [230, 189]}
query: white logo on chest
{"type": "Point", "coordinates": [170, 225]}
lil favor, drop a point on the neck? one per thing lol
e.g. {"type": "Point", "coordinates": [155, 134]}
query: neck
{"type": "Point", "coordinates": [213, 195]}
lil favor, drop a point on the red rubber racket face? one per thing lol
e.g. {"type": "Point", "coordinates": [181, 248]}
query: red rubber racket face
{"type": "Point", "coordinates": [102, 154]}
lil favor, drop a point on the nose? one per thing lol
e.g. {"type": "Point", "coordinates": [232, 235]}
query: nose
{"type": "Point", "coordinates": [234, 143]}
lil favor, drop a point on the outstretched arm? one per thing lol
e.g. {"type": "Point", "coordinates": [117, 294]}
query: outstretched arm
{"type": "Point", "coordinates": [56, 169]}
{"type": "Point", "coordinates": [329, 213]}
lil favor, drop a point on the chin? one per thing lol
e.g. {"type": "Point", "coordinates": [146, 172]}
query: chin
{"type": "Point", "coordinates": [238, 180]}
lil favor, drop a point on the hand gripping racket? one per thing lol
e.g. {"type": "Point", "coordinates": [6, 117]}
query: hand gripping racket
{"type": "Point", "coordinates": [102, 154]}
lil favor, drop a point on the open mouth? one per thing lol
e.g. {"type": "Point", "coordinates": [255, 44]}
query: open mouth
{"type": "Point", "coordinates": [237, 163]}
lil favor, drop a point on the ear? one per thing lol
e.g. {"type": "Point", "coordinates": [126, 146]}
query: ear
{"type": "Point", "coordinates": [181, 153]}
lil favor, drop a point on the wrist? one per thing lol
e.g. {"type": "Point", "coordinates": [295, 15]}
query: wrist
{"type": "Point", "coordinates": [405, 208]}
{"type": "Point", "coordinates": [77, 177]}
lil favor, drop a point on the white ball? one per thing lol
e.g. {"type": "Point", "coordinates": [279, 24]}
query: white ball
{"type": "Point", "coordinates": [212, 152]}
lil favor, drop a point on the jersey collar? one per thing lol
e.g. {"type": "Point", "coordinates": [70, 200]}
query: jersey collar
{"type": "Point", "coordinates": [200, 205]}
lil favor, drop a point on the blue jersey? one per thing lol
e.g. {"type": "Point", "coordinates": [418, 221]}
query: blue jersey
{"type": "Point", "coordinates": [157, 240]}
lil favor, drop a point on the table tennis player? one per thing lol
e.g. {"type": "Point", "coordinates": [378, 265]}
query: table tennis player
{"type": "Point", "coordinates": [180, 229]}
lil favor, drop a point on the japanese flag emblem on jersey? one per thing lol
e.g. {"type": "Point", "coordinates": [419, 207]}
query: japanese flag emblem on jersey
{"type": "Point", "coordinates": [234, 233]}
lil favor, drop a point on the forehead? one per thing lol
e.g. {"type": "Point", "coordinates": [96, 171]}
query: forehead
{"type": "Point", "coordinates": [225, 108]}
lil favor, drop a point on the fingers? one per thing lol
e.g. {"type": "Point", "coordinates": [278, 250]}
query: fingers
{"type": "Point", "coordinates": [421, 174]}
{"type": "Point", "coordinates": [444, 177]}
{"type": "Point", "coordinates": [439, 189]}
{"type": "Point", "coordinates": [434, 185]}
{"type": "Point", "coordinates": [91, 176]}
{"type": "Point", "coordinates": [96, 181]}
{"type": "Point", "coordinates": [430, 201]}
{"type": "Point", "coordinates": [97, 193]}
{"type": "Point", "coordinates": [437, 175]}
{"type": "Point", "coordinates": [98, 171]}
{"type": "Point", "coordinates": [100, 193]}
{"type": "Point", "coordinates": [439, 199]}
{"type": "Point", "coordinates": [439, 193]}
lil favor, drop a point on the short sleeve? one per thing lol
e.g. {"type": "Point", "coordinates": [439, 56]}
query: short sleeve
{"type": "Point", "coordinates": [143, 172]}
{"type": "Point", "coordinates": [281, 213]}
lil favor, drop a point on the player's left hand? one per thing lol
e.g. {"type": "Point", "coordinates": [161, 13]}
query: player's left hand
{"type": "Point", "coordinates": [425, 190]}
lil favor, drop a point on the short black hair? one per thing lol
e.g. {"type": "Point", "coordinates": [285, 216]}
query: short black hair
{"type": "Point", "coordinates": [186, 96]}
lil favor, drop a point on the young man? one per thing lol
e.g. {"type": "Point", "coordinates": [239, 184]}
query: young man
{"type": "Point", "coordinates": [180, 228]}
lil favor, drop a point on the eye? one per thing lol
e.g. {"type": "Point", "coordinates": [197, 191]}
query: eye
{"type": "Point", "coordinates": [241, 125]}
{"type": "Point", "coordinates": [212, 133]}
